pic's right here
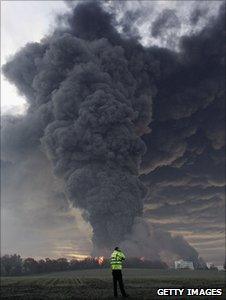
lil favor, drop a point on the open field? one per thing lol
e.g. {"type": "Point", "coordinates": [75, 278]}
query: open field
{"type": "Point", "coordinates": [97, 284]}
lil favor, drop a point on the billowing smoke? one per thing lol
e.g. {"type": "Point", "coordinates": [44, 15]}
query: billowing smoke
{"type": "Point", "coordinates": [156, 244]}
{"type": "Point", "coordinates": [90, 101]}
{"type": "Point", "coordinates": [86, 107]}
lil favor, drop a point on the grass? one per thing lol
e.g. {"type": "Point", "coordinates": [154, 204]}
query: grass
{"type": "Point", "coordinates": [97, 284]}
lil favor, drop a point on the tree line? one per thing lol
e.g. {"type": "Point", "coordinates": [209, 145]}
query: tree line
{"type": "Point", "coordinates": [14, 265]}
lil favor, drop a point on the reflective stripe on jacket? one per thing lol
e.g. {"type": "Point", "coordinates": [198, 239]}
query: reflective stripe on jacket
{"type": "Point", "coordinates": [116, 260]}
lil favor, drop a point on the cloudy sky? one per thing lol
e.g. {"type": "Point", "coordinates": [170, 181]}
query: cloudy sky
{"type": "Point", "coordinates": [185, 149]}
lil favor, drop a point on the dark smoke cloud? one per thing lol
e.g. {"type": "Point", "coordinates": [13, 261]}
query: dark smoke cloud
{"type": "Point", "coordinates": [169, 20]}
{"type": "Point", "coordinates": [128, 23]}
{"type": "Point", "coordinates": [154, 243]}
{"type": "Point", "coordinates": [166, 20]}
{"type": "Point", "coordinates": [185, 158]}
{"type": "Point", "coordinates": [93, 97]}
{"type": "Point", "coordinates": [197, 14]}
{"type": "Point", "coordinates": [82, 107]}
{"type": "Point", "coordinates": [89, 22]}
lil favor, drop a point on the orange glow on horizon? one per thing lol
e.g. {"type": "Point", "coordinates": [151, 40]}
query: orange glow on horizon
{"type": "Point", "coordinates": [78, 256]}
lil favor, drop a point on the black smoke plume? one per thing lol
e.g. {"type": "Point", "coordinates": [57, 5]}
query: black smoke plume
{"type": "Point", "coordinates": [90, 95]}
{"type": "Point", "coordinates": [85, 107]}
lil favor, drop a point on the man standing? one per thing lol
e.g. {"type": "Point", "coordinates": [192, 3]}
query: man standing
{"type": "Point", "coordinates": [116, 265]}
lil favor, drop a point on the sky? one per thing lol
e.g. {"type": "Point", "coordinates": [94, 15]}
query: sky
{"type": "Point", "coordinates": [35, 224]}
{"type": "Point", "coordinates": [15, 33]}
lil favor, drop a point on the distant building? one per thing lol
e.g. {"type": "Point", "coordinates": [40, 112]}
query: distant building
{"type": "Point", "coordinates": [220, 268]}
{"type": "Point", "coordinates": [211, 266]}
{"type": "Point", "coordinates": [184, 264]}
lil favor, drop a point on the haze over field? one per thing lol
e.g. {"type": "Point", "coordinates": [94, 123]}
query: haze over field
{"type": "Point", "coordinates": [123, 138]}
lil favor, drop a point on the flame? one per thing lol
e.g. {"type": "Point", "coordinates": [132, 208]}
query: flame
{"type": "Point", "coordinates": [100, 260]}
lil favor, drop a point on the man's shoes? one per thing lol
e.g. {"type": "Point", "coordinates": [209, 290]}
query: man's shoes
{"type": "Point", "coordinates": [125, 296]}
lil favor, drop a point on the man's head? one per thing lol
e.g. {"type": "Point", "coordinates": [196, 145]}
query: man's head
{"type": "Point", "coordinates": [117, 249]}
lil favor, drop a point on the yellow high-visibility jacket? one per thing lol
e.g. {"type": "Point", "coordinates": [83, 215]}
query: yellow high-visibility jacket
{"type": "Point", "coordinates": [116, 260]}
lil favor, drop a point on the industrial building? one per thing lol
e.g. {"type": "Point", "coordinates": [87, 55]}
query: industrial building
{"type": "Point", "coordinates": [184, 264]}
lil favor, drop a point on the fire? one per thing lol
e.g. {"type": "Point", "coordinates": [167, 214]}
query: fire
{"type": "Point", "coordinates": [100, 260]}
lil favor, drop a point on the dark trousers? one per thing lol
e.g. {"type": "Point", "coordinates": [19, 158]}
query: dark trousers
{"type": "Point", "coordinates": [117, 277]}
